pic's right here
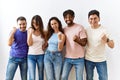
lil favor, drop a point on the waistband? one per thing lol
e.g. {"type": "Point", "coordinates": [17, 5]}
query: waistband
{"type": "Point", "coordinates": [54, 51]}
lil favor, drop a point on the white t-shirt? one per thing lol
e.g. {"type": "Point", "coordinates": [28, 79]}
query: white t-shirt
{"type": "Point", "coordinates": [36, 48]}
{"type": "Point", "coordinates": [95, 50]}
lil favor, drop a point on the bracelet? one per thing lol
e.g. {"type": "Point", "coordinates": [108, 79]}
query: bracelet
{"type": "Point", "coordinates": [108, 39]}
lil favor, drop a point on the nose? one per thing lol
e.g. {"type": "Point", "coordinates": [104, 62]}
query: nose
{"type": "Point", "coordinates": [67, 18]}
{"type": "Point", "coordinates": [22, 25]}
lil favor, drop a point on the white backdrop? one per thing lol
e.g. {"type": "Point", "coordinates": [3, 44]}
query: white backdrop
{"type": "Point", "coordinates": [110, 15]}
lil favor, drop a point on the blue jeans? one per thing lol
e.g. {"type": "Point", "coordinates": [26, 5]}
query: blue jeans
{"type": "Point", "coordinates": [53, 65]}
{"type": "Point", "coordinates": [69, 63]}
{"type": "Point", "coordinates": [32, 61]}
{"type": "Point", "coordinates": [13, 63]}
{"type": "Point", "coordinates": [101, 70]}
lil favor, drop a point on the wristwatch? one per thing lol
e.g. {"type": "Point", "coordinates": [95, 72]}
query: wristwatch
{"type": "Point", "coordinates": [108, 39]}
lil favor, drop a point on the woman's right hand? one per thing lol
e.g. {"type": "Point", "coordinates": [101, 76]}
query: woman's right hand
{"type": "Point", "coordinates": [30, 30]}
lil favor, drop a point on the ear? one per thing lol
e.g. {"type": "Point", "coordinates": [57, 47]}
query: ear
{"type": "Point", "coordinates": [99, 19]}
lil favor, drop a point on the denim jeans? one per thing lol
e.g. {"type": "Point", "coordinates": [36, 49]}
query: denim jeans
{"type": "Point", "coordinates": [69, 63]}
{"type": "Point", "coordinates": [13, 63]}
{"type": "Point", "coordinates": [32, 61]}
{"type": "Point", "coordinates": [53, 65]}
{"type": "Point", "coordinates": [101, 70]}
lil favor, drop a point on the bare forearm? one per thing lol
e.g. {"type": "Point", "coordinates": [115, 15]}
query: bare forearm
{"type": "Point", "coordinates": [11, 39]}
{"type": "Point", "coordinates": [61, 43]}
{"type": "Point", "coordinates": [29, 40]}
{"type": "Point", "coordinates": [110, 43]}
{"type": "Point", "coordinates": [60, 46]}
{"type": "Point", "coordinates": [82, 42]}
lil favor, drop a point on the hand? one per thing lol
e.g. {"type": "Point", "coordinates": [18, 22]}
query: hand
{"type": "Point", "coordinates": [44, 46]}
{"type": "Point", "coordinates": [104, 38]}
{"type": "Point", "coordinates": [14, 30]}
{"type": "Point", "coordinates": [31, 30]}
{"type": "Point", "coordinates": [59, 36]}
{"type": "Point", "coordinates": [75, 37]}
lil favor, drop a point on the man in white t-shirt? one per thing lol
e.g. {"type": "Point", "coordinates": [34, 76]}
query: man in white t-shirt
{"type": "Point", "coordinates": [95, 51]}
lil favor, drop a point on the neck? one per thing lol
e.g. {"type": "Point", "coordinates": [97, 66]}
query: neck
{"type": "Point", "coordinates": [70, 25]}
{"type": "Point", "coordinates": [95, 26]}
{"type": "Point", "coordinates": [56, 31]}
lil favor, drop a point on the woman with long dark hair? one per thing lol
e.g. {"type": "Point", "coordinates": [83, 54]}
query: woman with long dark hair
{"type": "Point", "coordinates": [53, 55]}
{"type": "Point", "coordinates": [36, 41]}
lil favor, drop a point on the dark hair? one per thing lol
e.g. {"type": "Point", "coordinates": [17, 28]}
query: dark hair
{"type": "Point", "coordinates": [71, 12]}
{"type": "Point", "coordinates": [39, 22]}
{"type": "Point", "coordinates": [50, 31]}
{"type": "Point", "coordinates": [92, 12]}
{"type": "Point", "coordinates": [21, 18]}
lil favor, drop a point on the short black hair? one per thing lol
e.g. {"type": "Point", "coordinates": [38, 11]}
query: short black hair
{"type": "Point", "coordinates": [92, 12]}
{"type": "Point", "coordinates": [69, 11]}
{"type": "Point", "coordinates": [21, 18]}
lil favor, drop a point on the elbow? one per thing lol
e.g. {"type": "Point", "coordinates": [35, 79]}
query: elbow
{"type": "Point", "coordinates": [29, 44]}
{"type": "Point", "coordinates": [111, 44]}
{"type": "Point", "coordinates": [60, 49]}
{"type": "Point", "coordinates": [84, 43]}
{"type": "Point", "coordinates": [9, 43]}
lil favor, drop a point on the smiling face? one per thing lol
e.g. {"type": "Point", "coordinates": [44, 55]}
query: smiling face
{"type": "Point", "coordinates": [69, 19]}
{"type": "Point", "coordinates": [54, 24]}
{"type": "Point", "coordinates": [22, 25]}
{"type": "Point", "coordinates": [35, 24]}
{"type": "Point", "coordinates": [94, 20]}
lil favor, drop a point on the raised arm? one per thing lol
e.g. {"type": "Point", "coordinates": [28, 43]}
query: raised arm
{"type": "Point", "coordinates": [109, 42]}
{"type": "Point", "coordinates": [61, 41]}
{"type": "Point", "coordinates": [11, 37]}
{"type": "Point", "coordinates": [29, 37]}
{"type": "Point", "coordinates": [82, 41]}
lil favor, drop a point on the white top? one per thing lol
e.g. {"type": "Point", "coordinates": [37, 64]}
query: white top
{"type": "Point", "coordinates": [36, 48]}
{"type": "Point", "coordinates": [95, 50]}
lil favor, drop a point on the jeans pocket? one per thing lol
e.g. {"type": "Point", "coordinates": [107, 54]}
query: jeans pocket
{"type": "Point", "coordinates": [11, 58]}
{"type": "Point", "coordinates": [59, 54]}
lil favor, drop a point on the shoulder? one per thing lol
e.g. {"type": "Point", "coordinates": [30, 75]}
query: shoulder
{"type": "Point", "coordinates": [88, 28]}
{"type": "Point", "coordinates": [79, 26]}
{"type": "Point", "coordinates": [61, 34]}
{"type": "Point", "coordinates": [65, 28]}
{"type": "Point", "coordinates": [103, 29]}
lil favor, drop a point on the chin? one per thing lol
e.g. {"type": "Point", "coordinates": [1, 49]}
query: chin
{"type": "Point", "coordinates": [23, 30]}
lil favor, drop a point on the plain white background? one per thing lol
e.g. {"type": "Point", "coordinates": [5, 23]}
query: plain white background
{"type": "Point", "coordinates": [110, 15]}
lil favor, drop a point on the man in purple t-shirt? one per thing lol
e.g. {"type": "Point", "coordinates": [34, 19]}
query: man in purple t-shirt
{"type": "Point", "coordinates": [19, 49]}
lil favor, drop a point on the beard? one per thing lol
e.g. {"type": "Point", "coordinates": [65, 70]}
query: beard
{"type": "Point", "coordinates": [23, 28]}
{"type": "Point", "coordinates": [69, 22]}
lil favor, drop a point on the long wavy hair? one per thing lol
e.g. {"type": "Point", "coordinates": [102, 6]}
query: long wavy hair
{"type": "Point", "coordinates": [39, 22]}
{"type": "Point", "coordinates": [50, 31]}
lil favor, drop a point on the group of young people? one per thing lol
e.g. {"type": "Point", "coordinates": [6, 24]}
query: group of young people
{"type": "Point", "coordinates": [36, 47]}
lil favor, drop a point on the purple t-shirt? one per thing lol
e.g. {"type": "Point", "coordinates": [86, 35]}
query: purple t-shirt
{"type": "Point", "coordinates": [19, 47]}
